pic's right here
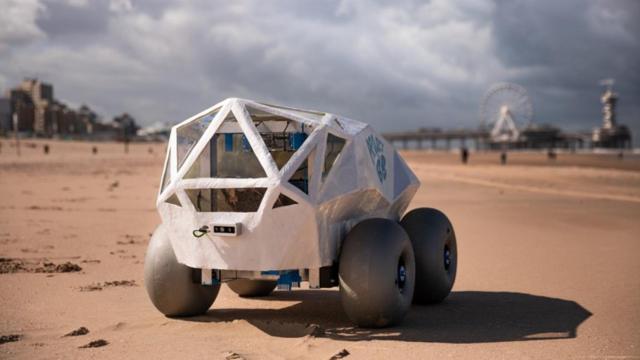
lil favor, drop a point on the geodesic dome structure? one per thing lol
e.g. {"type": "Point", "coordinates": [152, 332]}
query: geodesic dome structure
{"type": "Point", "coordinates": [292, 181]}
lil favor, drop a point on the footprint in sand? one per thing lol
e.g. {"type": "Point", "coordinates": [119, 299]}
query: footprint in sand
{"type": "Point", "coordinates": [78, 332]}
{"type": "Point", "coordinates": [10, 338]}
{"type": "Point", "coordinates": [95, 344]}
{"type": "Point", "coordinates": [108, 284]}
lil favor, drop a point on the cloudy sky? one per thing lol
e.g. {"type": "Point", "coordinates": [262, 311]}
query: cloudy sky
{"type": "Point", "coordinates": [409, 65]}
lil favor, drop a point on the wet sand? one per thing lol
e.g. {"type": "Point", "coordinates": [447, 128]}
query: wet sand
{"type": "Point", "coordinates": [549, 265]}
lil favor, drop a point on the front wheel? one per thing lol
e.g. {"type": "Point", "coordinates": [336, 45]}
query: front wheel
{"type": "Point", "coordinates": [170, 284]}
{"type": "Point", "coordinates": [377, 272]}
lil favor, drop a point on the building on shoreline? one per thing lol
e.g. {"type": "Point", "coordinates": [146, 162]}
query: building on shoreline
{"type": "Point", "coordinates": [39, 114]}
{"type": "Point", "coordinates": [5, 115]}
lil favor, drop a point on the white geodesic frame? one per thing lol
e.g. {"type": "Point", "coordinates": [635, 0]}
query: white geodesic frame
{"type": "Point", "coordinates": [368, 179]}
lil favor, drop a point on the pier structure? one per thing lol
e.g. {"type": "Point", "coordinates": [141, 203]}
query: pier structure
{"type": "Point", "coordinates": [533, 137]}
{"type": "Point", "coordinates": [439, 139]}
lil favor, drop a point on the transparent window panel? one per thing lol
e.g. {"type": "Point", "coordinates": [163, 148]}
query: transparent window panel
{"type": "Point", "coordinates": [166, 178]}
{"type": "Point", "coordinates": [300, 178]}
{"type": "Point", "coordinates": [282, 136]}
{"type": "Point", "coordinates": [228, 155]}
{"type": "Point", "coordinates": [189, 134]}
{"type": "Point", "coordinates": [332, 152]}
{"type": "Point", "coordinates": [283, 200]}
{"type": "Point", "coordinates": [315, 115]}
{"type": "Point", "coordinates": [173, 199]}
{"type": "Point", "coordinates": [226, 200]}
{"type": "Point", "coordinates": [201, 168]}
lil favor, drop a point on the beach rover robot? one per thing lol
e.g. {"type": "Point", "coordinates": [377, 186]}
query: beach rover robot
{"type": "Point", "coordinates": [262, 197]}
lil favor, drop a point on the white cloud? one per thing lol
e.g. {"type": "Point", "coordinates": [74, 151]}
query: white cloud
{"type": "Point", "coordinates": [120, 5]}
{"type": "Point", "coordinates": [78, 3]}
{"type": "Point", "coordinates": [17, 23]}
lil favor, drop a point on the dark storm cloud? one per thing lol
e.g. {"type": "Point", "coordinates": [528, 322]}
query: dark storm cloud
{"type": "Point", "coordinates": [573, 45]}
{"type": "Point", "coordinates": [567, 33]}
{"type": "Point", "coordinates": [59, 18]}
{"type": "Point", "coordinates": [410, 65]}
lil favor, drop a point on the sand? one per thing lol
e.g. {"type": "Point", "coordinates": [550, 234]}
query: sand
{"type": "Point", "coordinates": [549, 265]}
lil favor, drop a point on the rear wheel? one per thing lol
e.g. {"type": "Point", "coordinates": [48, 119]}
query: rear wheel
{"type": "Point", "coordinates": [170, 284]}
{"type": "Point", "coordinates": [252, 288]}
{"type": "Point", "coordinates": [377, 272]}
{"type": "Point", "coordinates": [436, 253]}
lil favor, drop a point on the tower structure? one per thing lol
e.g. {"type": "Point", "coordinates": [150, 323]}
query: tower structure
{"type": "Point", "coordinates": [610, 135]}
{"type": "Point", "coordinates": [609, 100]}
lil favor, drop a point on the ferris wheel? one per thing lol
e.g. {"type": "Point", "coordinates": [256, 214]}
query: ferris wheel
{"type": "Point", "coordinates": [505, 109]}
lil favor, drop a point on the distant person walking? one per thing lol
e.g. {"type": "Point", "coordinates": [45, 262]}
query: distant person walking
{"type": "Point", "coordinates": [46, 149]}
{"type": "Point", "coordinates": [464, 155]}
{"type": "Point", "coordinates": [503, 158]}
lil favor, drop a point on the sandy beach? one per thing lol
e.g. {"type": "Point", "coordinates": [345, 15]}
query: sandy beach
{"type": "Point", "coordinates": [549, 265]}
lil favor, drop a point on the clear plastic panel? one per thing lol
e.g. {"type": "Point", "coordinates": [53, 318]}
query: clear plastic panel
{"type": "Point", "coordinates": [300, 178]}
{"type": "Point", "coordinates": [228, 155]}
{"type": "Point", "coordinates": [332, 152]}
{"type": "Point", "coordinates": [226, 200]}
{"type": "Point", "coordinates": [283, 200]}
{"type": "Point", "coordinates": [173, 199]}
{"type": "Point", "coordinates": [189, 134]}
{"type": "Point", "coordinates": [314, 115]}
{"type": "Point", "coordinates": [282, 136]}
{"type": "Point", "coordinates": [166, 178]}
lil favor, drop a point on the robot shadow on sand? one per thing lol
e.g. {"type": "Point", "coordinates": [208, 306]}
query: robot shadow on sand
{"type": "Point", "coordinates": [466, 317]}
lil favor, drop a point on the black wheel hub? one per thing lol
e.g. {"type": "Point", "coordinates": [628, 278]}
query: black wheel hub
{"type": "Point", "coordinates": [447, 258]}
{"type": "Point", "coordinates": [402, 275]}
